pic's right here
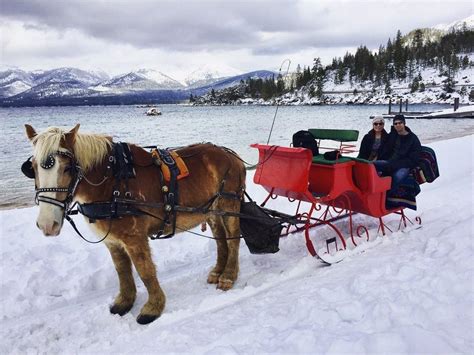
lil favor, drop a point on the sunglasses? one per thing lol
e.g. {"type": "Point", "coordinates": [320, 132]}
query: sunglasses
{"type": "Point", "coordinates": [397, 123]}
{"type": "Point", "coordinates": [378, 124]}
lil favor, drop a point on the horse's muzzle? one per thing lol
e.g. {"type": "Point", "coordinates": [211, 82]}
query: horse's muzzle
{"type": "Point", "coordinates": [50, 229]}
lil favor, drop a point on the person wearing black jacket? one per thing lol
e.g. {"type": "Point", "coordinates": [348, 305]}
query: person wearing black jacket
{"type": "Point", "coordinates": [400, 153]}
{"type": "Point", "coordinates": [373, 142]}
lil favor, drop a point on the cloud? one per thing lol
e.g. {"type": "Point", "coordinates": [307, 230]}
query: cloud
{"type": "Point", "coordinates": [174, 34]}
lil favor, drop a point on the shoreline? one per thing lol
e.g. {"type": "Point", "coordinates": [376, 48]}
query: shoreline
{"type": "Point", "coordinates": [12, 205]}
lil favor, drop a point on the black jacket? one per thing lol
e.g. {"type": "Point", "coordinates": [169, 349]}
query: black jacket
{"type": "Point", "coordinates": [368, 142]}
{"type": "Point", "coordinates": [406, 155]}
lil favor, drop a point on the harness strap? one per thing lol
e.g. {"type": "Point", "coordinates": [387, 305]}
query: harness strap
{"type": "Point", "coordinates": [170, 193]}
{"type": "Point", "coordinates": [73, 225]}
{"type": "Point", "coordinates": [122, 167]}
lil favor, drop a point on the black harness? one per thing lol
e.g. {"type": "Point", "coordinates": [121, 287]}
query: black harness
{"type": "Point", "coordinates": [170, 192]}
{"type": "Point", "coordinates": [122, 166]}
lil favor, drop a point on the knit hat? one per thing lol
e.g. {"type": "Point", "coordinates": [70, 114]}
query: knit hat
{"type": "Point", "coordinates": [378, 119]}
{"type": "Point", "coordinates": [400, 118]}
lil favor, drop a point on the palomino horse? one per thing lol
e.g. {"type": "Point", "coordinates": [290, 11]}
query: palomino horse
{"type": "Point", "coordinates": [71, 166]}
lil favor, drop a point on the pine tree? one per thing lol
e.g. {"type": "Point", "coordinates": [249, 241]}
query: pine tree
{"type": "Point", "coordinates": [398, 57]}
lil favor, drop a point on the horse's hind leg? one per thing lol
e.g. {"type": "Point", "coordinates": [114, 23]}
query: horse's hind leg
{"type": "Point", "coordinates": [219, 232]}
{"type": "Point", "coordinates": [126, 297]}
{"type": "Point", "coordinates": [231, 271]}
{"type": "Point", "coordinates": [140, 254]}
{"type": "Point", "coordinates": [226, 270]}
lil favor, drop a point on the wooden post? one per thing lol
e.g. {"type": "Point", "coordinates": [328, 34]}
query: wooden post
{"type": "Point", "coordinates": [390, 106]}
{"type": "Point", "coordinates": [456, 103]}
{"type": "Point", "coordinates": [401, 103]}
{"type": "Point", "coordinates": [406, 105]}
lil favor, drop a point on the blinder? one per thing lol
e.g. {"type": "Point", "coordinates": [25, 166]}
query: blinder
{"type": "Point", "coordinates": [48, 163]}
{"type": "Point", "coordinates": [27, 168]}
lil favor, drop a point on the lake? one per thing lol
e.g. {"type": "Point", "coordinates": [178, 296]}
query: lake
{"type": "Point", "coordinates": [235, 127]}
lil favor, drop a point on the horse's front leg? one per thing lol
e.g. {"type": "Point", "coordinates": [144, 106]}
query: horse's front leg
{"type": "Point", "coordinates": [140, 253]}
{"type": "Point", "coordinates": [126, 297]}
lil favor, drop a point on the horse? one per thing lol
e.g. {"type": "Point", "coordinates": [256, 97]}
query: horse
{"type": "Point", "coordinates": [70, 167]}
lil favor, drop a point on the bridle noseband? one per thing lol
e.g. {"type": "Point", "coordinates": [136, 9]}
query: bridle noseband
{"type": "Point", "coordinates": [48, 163]}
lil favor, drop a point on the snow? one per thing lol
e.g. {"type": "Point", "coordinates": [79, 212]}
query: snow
{"type": "Point", "coordinates": [157, 77]}
{"type": "Point", "coordinates": [15, 88]}
{"type": "Point", "coordinates": [456, 25]}
{"type": "Point", "coordinates": [367, 93]}
{"type": "Point", "coordinates": [411, 293]}
{"type": "Point", "coordinates": [208, 73]}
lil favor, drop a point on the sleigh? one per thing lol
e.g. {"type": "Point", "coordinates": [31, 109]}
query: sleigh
{"type": "Point", "coordinates": [336, 187]}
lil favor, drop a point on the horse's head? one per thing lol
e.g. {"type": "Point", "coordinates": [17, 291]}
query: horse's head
{"type": "Point", "coordinates": [54, 168]}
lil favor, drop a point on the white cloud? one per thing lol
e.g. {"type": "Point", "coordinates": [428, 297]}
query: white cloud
{"type": "Point", "coordinates": [177, 37]}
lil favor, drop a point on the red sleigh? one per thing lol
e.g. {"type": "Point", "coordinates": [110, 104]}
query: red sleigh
{"type": "Point", "coordinates": [335, 189]}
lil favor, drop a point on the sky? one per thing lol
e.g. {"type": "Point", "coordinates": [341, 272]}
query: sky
{"type": "Point", "coordinates": [175, 37]}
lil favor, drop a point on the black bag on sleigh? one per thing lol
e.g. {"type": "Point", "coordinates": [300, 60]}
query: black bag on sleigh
{"type": "Point", "coordinates": [305, 139]}
{"type": "Point", "coordinates": [261, 231]}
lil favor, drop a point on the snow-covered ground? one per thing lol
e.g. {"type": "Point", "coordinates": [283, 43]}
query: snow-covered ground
{"type": "Point", "coordinates": [412, 293]}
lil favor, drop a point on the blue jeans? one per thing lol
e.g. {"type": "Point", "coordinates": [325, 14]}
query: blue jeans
{"type": "Point", "coordinates": [397, 176]}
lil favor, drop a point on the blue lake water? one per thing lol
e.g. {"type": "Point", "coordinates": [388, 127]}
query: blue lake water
{"type": "Point", "coordinates": [233, 126]}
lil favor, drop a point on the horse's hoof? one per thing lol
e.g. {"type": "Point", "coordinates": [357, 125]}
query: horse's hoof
{"type": "Point", "coordinates": [213, 277]}
{"type": "Point", "coordinates": [225, 284]}
{"type": "Point", "coordinates": [145, 318]}
{"type": "Point", "coordinates": [120, 309]}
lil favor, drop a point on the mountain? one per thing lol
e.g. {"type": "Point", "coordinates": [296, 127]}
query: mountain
{"type": "Point", "coordinates": [234, 81]}
{"type": "Point", "coordinates": [55, 82]}
{"type": "Point", "coordinates": [69, 74]}
{"type": "Point", "coordinates": [143, 79]}
{"type": "Point", "coordinates": [15, 81]}
{"type": "Point", "coordinates": [208, 74]}
{"type": "Point", "coordinates": [77, 87]}
{"type": "Point", "coordinates": [435, 33]}
{"type": "Point", "coordinates": [468, 22]}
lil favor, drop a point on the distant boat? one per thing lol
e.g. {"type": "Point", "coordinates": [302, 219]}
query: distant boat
{"type": "Point", "coordinates": [153, 112]}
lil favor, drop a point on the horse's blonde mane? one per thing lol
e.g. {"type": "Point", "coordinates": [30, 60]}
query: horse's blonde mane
{"type": "Point", "coordinates": [89, 149]}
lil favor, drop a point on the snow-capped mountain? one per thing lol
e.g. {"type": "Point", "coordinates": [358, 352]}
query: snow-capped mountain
{"type": "Point", "coordinates": [434, 34]}
{"type": "Point", "coordinates": [51, 89]}
{"type": "Point", "coordinates": [69, 74]}
{"type": "Point", "coordinates": [208, 74]}
{"type": "Point", "coordinates": [15, 81]}
{"type": "Point", "coordinates": [456, 25]}
{"type": "Point", "coordinates": [54, 82]}
{"type": "Point", "coordinates": [142, 79]}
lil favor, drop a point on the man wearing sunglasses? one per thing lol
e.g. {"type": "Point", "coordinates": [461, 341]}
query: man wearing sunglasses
{"type": "Point", "coordinates": [400, 153]}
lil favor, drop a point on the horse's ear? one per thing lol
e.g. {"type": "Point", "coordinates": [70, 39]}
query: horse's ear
{"type": "Point", "coordinates": [71, 135]}
{"type": "Point", "coordinates": [30, 132]}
